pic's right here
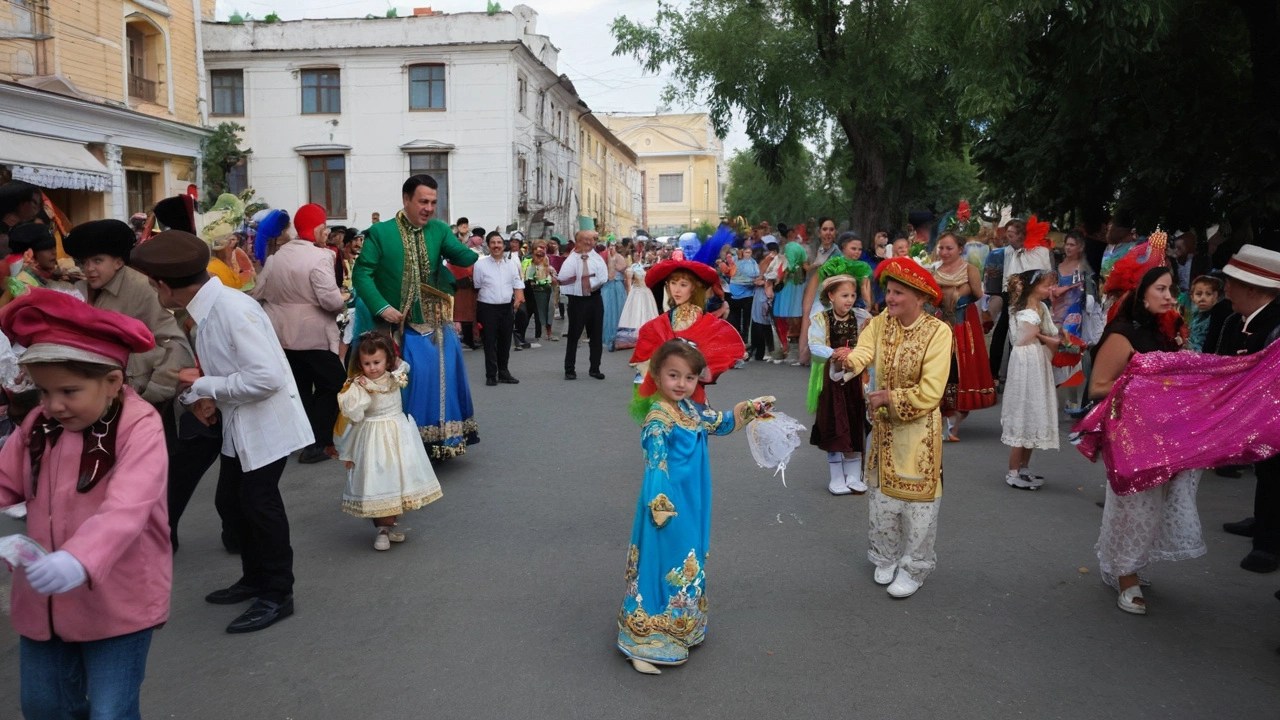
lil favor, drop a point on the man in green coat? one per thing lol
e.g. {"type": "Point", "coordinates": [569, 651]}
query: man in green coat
{"type": "Point", "coordinates": [400, 281]}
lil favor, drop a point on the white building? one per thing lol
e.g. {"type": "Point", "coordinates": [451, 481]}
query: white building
{"type": "Point", "coordinates": [340, 112]}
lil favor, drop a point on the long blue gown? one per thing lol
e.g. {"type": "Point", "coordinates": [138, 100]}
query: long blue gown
{"type": "Point", "coordinates": [664, 612]}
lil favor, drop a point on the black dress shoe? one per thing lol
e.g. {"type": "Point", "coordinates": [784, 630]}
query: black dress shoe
{"type": "Point", "coordinates": [312, 455]}
{"type": "Point", "coordinates": [1261, 561]}
{"type": "Point", "coordinates": [1243, 528]}
{"type": "Point", "coordinates": [596, 374]}
{"type": "Point", "coordinates": [1230, 471]}
{"type": "Point", "coordinates": [261, 615]}
{"type": "Point", "coordinates": [235, 594]}
{"type": "Point", "coordinates": [570, 375]}
{"type": "Point", "coordinates": [506, 379]}
{"type": "Point", "coordinates": [490, 381]}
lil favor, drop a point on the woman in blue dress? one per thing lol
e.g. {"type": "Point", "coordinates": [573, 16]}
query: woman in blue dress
{"type": "Point", "coordinates": [614, 293]}
{"type": "Point", "coordinates": [664, 612]}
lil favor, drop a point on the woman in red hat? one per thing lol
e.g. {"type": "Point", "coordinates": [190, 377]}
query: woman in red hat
{"type": "Point", "coordinates": [91, 465]}
{"type": "Point", "coordinates": [687, 283]}
{"type": "Point", "coordinates": [909, 354]}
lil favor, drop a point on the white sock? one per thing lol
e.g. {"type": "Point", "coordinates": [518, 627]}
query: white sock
{"type": "Point", "coordinates": [837, 473]}
{"type": "Point", "coordinates": [852, 466]}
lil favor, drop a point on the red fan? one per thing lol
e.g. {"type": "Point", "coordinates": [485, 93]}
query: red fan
{"type": "Point", "coordinates": [1068, 354]}
{"type": "Point", "coordinates": [716, 339]}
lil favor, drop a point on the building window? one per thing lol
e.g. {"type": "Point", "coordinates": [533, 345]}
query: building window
{"type": "Point", "coordinates": [426, 87]}
{"type": "Point", "coordinates": [437, 166]}
{"type": "Point", "coordinates": [522, 172]}
{"type": "Point", "coordinates": [321, 92]}
{"type": "Point", "coordinates": [238, 178]}
{"type": "Point", "coordinates": [141, 39]}
{"type": "Point", "coordinates": [327, 183]}
{"type": "Point", "coordinates": [671, 188]}
{"type": "Point", "coordinates": [522, 92]}
{"type": "Point", "coordinates": [228, 92]}
{"type": "Point", "coordinates": [138, 187]}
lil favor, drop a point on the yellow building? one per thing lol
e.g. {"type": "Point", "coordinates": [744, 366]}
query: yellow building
{"type": "Point", "coordinates": [610, 185]}
{"type": "Point", "coordinates": [682, 164]}
{"type": "Point", "coordinates": [102, 103]}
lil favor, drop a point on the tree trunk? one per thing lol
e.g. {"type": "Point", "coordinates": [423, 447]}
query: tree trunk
{"type": "Point", "coordinates": [872, 206]}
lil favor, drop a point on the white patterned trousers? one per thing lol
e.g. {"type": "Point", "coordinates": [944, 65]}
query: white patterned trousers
{"type": "Point", "coordinates": [902, 533]}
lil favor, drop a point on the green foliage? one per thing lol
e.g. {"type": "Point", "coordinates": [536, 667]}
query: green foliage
{"type": "Point", "coordinates": [271, 18]}
{"type": "Point", "coordinates": [221, 152]}
{"type": "Point", "coordinates": [796, 195]}
{"type": "Point", "coordinates": [391, 13]}
{"type": "Point", "coordinates": [494, 7]}
{"type": "Point", "coordinates": [236, 19]}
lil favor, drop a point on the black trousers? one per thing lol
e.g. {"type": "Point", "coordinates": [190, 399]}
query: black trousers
{"type": "Point", "coordinates": [761, 339]}
{"type": "Point", "coordinates": [999, 337]}
{"type": "Point", "coordinates": [740, 316]}
{"type": "Point", "coordinates": [585, 313]}
{"type": "Point", "coordinates": [495, 332]}
{"type": "Point", "coordinates": [1266, 506]}
{"type": "Point", "coordinates": [521, 324]}
{"type": "Point", "coordinates": [319, 375]}
{"type": "Point", "coordinates": [189, 459]}
{"type": "Point", "coordinates": [468, 336]}
{"type": "Point", "coordinates": [251, 503]}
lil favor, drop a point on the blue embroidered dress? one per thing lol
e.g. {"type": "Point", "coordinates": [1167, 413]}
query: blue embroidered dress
{"type": "Point", "coordinates": [664, 612]}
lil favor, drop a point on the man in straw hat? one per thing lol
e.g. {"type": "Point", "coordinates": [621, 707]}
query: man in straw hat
{"type": "Point", "coordinates": [1253, 287]}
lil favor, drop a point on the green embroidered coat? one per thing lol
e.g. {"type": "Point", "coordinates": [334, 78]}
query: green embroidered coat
{"type": "Point", "coordinates": [379, 274]}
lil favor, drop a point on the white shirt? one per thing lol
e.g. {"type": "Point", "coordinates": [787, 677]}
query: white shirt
{"type": "Point", "coordinates": [1016, 261]}
{"type": "Point", "coordinates": [571, 273]}
{"type": "Point", "coordinates": [496, 280]}
{"type": "Point", "coordinates": [247, 376]}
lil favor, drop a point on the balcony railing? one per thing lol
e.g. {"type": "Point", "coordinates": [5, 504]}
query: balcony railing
{"type": "Point", "coordinates": [142, 88]}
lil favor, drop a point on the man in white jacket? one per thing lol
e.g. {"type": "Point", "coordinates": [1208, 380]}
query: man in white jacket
{"type": "Point", "coordinates": [244, 374]}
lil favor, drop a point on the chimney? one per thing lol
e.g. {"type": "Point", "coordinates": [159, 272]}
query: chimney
{"type": "Point", "coordinates": [424, 11]}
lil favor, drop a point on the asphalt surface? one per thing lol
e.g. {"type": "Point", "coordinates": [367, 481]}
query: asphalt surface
{"type": "Point", "coordinates": [503, 602]}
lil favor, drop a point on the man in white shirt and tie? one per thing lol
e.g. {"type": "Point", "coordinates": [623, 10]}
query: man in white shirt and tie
{"type": "Point", "coordinates": [581, 277]}
{"type": "Point", "coordinates": [244, 374]}
{"type": "Point", "coordinates": [497, 279]}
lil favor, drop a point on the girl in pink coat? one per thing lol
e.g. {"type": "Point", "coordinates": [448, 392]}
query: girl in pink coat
{"type": "Point", "coordinates": [90, 463]}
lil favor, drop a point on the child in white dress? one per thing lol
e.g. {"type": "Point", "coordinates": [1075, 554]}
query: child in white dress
{"type": "Point", "coordinates": [1029, 408]}
{"type": "Point", "coordinates": [388, 471]}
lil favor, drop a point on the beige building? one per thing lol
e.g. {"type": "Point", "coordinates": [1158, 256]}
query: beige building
{"type": "Point", "coordinates": [611, 190]}
{"type": "Point", "coordinates": [682, 163]}
{"type": "Point", "coordinates": [102, 103]}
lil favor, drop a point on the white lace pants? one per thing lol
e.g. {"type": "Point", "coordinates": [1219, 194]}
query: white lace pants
{"type": "Point", "coordinates": [1162, 523]}
{"type": "Point", "coordinates": [902, 533]}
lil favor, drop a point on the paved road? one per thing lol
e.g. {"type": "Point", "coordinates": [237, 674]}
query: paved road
{"type": "Point", "coordinates": [502, 603]}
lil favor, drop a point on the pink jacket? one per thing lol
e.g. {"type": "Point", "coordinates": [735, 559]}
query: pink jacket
{"type": "Point", "coordinates": [300, 294]}
{"type": "Point", "coordinates": [119, 530]}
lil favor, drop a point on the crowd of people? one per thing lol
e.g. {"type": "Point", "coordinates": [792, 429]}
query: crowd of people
{"type": "Point", "coordinates": [143, 352]}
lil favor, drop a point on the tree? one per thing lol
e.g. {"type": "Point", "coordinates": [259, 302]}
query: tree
{"type": "Point", "coordinates": [221, 152]}
{"type": "Point", "coordinates": [792, 68]}
{"type": "Point", "coordinates": [792, 198]}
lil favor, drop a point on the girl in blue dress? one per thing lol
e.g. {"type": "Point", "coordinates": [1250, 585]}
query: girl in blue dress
{"type": "Point", "coordinates": [664, 612]}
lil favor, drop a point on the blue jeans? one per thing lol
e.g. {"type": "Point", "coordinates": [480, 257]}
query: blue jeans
{"type": "Point", "coordinates": [98, 680]}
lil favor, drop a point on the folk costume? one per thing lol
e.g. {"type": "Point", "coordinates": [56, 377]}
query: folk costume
{"type": "Point", "coordinates": [401, 267]}
{"type": "Point", "coordinates": [904, 461]}
{"type": "Point", "coordinates": [391, 472]}
{"type": "Point", "coordinates": [969, 383]}
{"type": "Point", "coordinates": [716, 339]}
{"type": "Point", "coordinates": [639, 309]}
{"type": "Point", "coordinates": [835, 394]}
{"type": "Point", "coordinates": [664, 611]}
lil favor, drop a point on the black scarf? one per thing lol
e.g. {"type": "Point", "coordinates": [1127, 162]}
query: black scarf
{"type": "Point", "coordinates": [96, 459]}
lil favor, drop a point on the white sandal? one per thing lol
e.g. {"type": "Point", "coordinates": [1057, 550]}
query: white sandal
{"type": "Point", "coordinates": [1127, 599]}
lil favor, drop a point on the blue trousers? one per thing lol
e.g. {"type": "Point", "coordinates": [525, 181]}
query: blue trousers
{"type": "Point", "coordinates": [97, 680]}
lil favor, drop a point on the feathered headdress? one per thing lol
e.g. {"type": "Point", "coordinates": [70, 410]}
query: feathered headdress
{"type": "Point", "coordinates": [1037, 234]}
{"type": "Point", "coordinates": [224, 218]}
{"type": "Point", "coordinates": [840, 265]}
{"type": "Point", "coordinates": [269, 228]}
{"type": "Point", "coordinates": [1128, 270]}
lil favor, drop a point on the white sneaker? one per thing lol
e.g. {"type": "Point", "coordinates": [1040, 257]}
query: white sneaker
{"type": "Point", "coordinates": [395, 536]}
{"type": "Point", "coordinates": [855, 485]}
{"type": "Point", "coordinates": [535, 345]}
{"type": "Point", "coordinates": [1022, 482]}
{"type": "Point", "coordinates": [904, 585]}
{"type": "Point", "coordinates": [884, 575]}
{"type": "Point", "coordinates": [382, 542]}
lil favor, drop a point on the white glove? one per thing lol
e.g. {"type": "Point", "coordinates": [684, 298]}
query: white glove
{"type": "Point", "coordinates": [56, 573]}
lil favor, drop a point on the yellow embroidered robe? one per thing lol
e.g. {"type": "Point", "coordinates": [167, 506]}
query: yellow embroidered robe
{"type": "Point", "coordinates": [904, 457]}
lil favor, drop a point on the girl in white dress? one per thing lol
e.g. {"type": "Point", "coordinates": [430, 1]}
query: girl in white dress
{"type": "Point", "coordinates": [388, 471]}
{"type": "Point", "coordinates": [1029, 408]}
{"type": "Point", "coordinates": [639, 309]}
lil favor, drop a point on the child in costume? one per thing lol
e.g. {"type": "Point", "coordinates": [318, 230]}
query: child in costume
{"type": "Point", "coordinates": [1206, 292]}
{"type": "Point", "coordinates": [664, 612]}
{"type": "Point", "coordinates": [388, 471]}
{"type": "Point", "coordinates": [835, 395]}
{"type": "Point", "coordinates": [1029, 411]}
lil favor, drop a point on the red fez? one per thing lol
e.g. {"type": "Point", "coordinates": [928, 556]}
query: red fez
{"type": "Point", "coordinates": [658, 273]}
{"type": "Point", "coordinates": [909, 273]}
{"type": "Point", "coordinates": [58, 327]}
{"type": "Point", "coordinates": [307, 219]}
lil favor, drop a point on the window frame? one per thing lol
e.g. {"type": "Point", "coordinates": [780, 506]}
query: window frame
{"type": "Point", "coordinates": [322, 91]}
{"type": "Point", "coordinates": [663, 176]}
{"type": "Point", "coordinates": [145, 193]}
{"type": "Point", "coordinates": [213, 92]}
{"type": "Point", "coordinates": [522, 92]}
{"type": "Point", "coordinates": [326, 202]}
{"type": "Point", "coordinates": [444, 87]}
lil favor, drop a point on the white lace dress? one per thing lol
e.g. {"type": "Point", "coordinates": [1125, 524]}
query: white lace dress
{"type": "Point", "coordinates": [1162, 523]}
{"type": "Point", "coordinates": [390, 470]}
{"type": "Point", "coordinates": [1029, 407]}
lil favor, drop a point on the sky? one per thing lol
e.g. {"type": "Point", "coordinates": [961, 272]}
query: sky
{"type": "Point", "coordinates": [580, 28]}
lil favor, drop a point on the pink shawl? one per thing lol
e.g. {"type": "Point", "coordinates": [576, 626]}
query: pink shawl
{"type": "Point", "coordinates": [1170, 412]}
